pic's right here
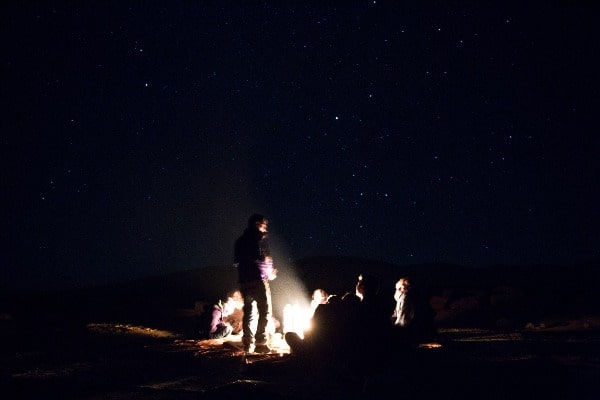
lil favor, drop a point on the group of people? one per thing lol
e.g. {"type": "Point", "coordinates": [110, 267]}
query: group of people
{"type": "Point", "coordinates": [356, 325]}
{"type": "Point", "coordinates": [359, 329]}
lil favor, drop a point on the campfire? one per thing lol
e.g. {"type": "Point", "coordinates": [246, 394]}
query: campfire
{"type": "Point", "coordinates": [296, 319]}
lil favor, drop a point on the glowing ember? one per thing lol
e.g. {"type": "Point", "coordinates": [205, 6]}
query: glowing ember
{"type": "Point", "coordinates": [430, 345]}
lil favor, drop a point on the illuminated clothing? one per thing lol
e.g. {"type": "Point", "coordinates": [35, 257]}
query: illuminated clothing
{"type": "Point", "coordinates": [250, 254]}
{"type": "Point", "coordinates": [404, 311]}
{"type": "Point", "coordinates": [413, 317]}
{"type": "Point", "coordinates": [212, 324]}
{"type": "Point", "coordinates": [252, 259]}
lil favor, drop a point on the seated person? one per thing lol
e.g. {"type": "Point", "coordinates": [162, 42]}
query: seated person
{"type": "Point", "coordinates": [222, 319]}
{"type": "Point", "coordinates": [404, 312]}
{"type": "Point", "coordinates": [412, 316]}
{"type": "Point", "coordinates": [327, 325]}
{"type": "Point", "coordinates": [319, 296]}
{"type": "Point", "coordinates": [352, 332]}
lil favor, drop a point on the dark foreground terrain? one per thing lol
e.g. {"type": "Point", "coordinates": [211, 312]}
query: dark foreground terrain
{"type": "Point", "coordinates": [115, 364]}
{"type": "Point", "coordinates": [496, 340]}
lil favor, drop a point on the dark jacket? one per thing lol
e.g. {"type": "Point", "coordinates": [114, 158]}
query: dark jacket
{"type": "Point", "coordinates": [250, 252]}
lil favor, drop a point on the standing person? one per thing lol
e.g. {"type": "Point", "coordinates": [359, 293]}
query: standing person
{"type": "Point", "coordinates": [253, 260]}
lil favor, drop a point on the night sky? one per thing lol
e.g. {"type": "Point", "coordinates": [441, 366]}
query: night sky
{"type": "Point", "coordinates": [137, 137]}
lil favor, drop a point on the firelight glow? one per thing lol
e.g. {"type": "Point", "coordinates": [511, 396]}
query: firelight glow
{"type": "Point", "coordinates": [296, 319]}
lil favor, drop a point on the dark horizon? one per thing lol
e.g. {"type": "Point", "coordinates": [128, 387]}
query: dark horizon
{"type": "Point", "coordinates": [291, 269]}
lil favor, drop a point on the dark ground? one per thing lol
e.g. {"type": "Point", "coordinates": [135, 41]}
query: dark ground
{"type": "Point", "coordinates": [62, 345]}
{"type": "Point", "coordinates": [469, 365]}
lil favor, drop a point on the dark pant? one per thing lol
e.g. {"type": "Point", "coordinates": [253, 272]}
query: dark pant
{"type": "Point", "coordinates": [259, 293]}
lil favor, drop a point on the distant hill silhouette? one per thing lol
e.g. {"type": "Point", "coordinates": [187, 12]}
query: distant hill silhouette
{"type": "Point", "coordinates": [459, 294]}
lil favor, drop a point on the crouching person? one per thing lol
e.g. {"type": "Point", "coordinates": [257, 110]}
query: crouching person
{"type": "Point", "coordinates": [222, 319]}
